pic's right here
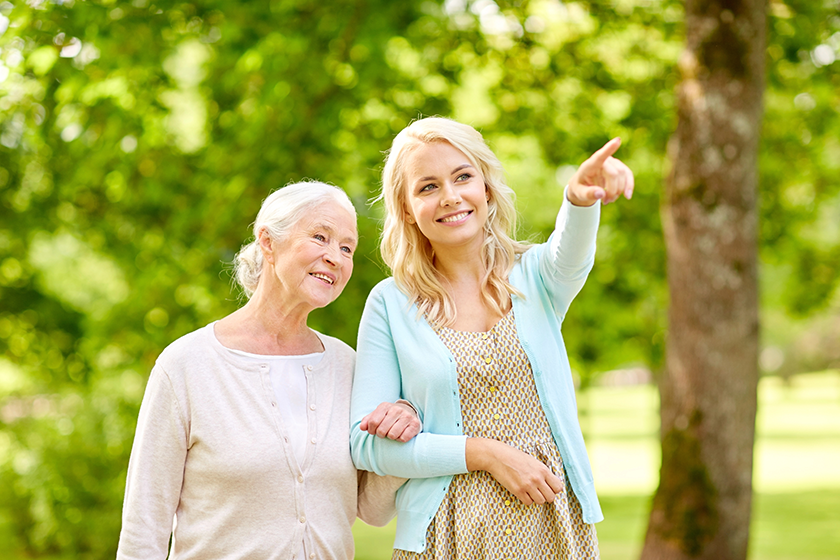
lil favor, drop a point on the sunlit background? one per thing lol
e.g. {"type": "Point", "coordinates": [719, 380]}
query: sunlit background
{"type": "Point", "coordinates": [137, 140]}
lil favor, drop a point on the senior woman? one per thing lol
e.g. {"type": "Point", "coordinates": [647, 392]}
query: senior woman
{"type": "Point", "coordinates": [242, 437]}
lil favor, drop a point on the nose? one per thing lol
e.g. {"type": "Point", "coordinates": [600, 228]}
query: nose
{"type": "Point", "coordinates": [331, 255]}
{"type": "Point", "coordinates": [450, 195]}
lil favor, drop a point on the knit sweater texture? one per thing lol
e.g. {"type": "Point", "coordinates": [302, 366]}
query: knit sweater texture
{"type": "Point", "coordinates": [212, 454]}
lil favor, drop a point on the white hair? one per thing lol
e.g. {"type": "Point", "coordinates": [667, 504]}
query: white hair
{"type": "Point", "coordinates": [278, 216]}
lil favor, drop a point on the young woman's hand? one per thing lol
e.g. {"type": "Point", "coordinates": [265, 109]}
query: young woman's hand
{"type": "Point", "coordinates": [395, 421]}
{"type": "Point", "coordinates": [601, 177]}
{"type": "Point", "coordinates": [530, 480]}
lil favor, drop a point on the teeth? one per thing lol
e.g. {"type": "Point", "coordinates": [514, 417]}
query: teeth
{"type": "Point", "coordinates": [454, 218]}
{"type": "Point", "coordinates": [323, 277]}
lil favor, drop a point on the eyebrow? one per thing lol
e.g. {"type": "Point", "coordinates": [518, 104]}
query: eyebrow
{"type": "Point", "coordinates": [331, 231]}
{"type": "Point", "coordinates": [454, 171]}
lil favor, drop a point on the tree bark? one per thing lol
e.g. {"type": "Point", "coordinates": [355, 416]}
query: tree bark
{"type": "Point", "coordinates": [701, 509]}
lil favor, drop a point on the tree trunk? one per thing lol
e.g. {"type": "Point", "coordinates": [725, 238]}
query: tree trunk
{"type": "Point", "coordinates": [701, 509]}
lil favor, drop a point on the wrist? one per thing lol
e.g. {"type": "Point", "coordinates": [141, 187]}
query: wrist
{"type": "Point", "coordinates": [479, 453]}
{"type": "Point", "coordinates": [409, 405]}
{"type": "Point", "coordinates": [575, 201]}
{"type": "Point", "coordinates": [413, 409]}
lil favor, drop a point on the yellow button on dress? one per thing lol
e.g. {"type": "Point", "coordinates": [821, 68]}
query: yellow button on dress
{"type": "Point", "coordinates": [478, 518]}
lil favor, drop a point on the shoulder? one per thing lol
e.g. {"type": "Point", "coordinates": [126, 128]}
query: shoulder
{"type": "Point", "coordinates": [387, 293]}
{"type": "Point", "coordinates": [336, 348]}
{"type": "Point", "coordinates": [187, 349]}
{"type": "Point", "coordinates": [527, 263]}
{"type": "Point", "coordinates": [339, 359]}
{"type": "Point", "coordinates": [384, 288]}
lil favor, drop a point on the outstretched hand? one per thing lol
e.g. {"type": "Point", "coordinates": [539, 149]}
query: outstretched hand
{"type": "Point", "coordinates": [601, 177]}
{"type": "Point", "coordinates": [395, 421]}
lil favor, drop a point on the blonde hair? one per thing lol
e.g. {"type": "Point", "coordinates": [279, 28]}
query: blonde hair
{"type": "Point", "coordinates": [407, 251]}
{"type": "Point", "coordinates": [279, 215]}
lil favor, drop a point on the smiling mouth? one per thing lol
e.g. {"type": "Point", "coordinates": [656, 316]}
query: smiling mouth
{"type": "Point", "coordinates": [323, 277]}
{"type": "Point", "coordinates": [456, 218]}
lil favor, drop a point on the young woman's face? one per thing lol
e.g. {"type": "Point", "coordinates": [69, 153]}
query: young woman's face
{"type": "Point", "coordinates": [445, 196]}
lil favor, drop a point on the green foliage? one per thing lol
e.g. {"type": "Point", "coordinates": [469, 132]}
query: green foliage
{"type": "Point", "coordinates": [137, 140]}
{"type": "Point", "coordinates": [800, 159]}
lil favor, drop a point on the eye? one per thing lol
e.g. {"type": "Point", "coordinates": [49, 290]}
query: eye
{"type": "Point", "coordinates": [428, 187]}
{"type": "Point", "coordinates": [464, 177]}
{"type": "Point", "coordinates": [347, 250]}
{"type": "Point", "coordinates": [320, 237]}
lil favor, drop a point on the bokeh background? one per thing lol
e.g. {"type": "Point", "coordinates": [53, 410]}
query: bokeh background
{"type": "Point", "coordinates": [138, 139]}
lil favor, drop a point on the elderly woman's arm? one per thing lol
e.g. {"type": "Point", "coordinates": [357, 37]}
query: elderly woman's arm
{"type": "Point", "coordinates": [377, 498]}
{"type": "Point", "coordinates": [398, 421]}
{"type": "Point", "coordinates": [155, 473]}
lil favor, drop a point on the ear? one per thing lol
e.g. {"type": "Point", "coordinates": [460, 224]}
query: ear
{"type": "Point", "coordinates": [266, 245]}
{"type": "Point", "coordinates": [407, 216]}
{"type": "Point", "coordinates": [486, 192]}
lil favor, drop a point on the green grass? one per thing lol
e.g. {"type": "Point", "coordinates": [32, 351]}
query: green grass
{"type": "Point", "coordinates": [796, 511]}
{"type": "Point", "coordinates": [790, 526]}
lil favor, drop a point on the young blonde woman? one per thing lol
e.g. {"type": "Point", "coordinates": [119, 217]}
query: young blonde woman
{"type": "Point", "coordinates": [468, 330]}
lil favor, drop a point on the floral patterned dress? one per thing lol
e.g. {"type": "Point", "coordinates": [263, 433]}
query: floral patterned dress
{"type": "Point", "coordinates": [478, 518]}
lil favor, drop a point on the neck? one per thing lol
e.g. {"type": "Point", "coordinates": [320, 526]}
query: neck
{"type": "Point", "coordinates": [460, 265]}
{"type": "Point", "coordinates": [265, 326]}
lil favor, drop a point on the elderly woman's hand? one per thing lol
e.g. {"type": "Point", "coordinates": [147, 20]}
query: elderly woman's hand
{"type": "Point", "coordinates": [397, 421]}
{"type": "Point", "coordinates": [601, 177]}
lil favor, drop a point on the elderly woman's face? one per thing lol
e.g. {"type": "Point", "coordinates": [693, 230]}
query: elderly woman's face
{"type": "Point", "coordinates": [312, 266]}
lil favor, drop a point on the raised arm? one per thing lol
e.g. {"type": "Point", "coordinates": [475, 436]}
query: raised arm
{"type": "Point", "coordinates": [570, 252]}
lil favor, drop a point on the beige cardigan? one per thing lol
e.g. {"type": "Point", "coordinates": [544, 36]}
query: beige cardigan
{"type": "Point", "coordinates": [210, 451]}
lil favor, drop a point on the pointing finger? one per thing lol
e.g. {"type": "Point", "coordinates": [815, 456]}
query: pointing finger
{"type": "Point", "coordinates": [597, 159]}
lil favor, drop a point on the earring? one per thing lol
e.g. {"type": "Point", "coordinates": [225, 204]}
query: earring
{"type": "Point", "coordinates": [409, 219]}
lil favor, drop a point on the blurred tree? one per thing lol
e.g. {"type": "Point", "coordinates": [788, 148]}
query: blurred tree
{"type": "Point", "coordinates": [138, 138]}
{"type": "Point", "coordinates": [701, 508]}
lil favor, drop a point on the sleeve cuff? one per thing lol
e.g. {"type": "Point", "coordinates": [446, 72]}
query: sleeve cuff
{"type": "Point", "coordinates": [582, 218]}
{"type": "Point", "coordinates": [412, 407]}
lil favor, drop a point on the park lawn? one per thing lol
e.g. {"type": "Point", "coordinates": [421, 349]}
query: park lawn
{"type": "Point", "coordinates": [789, 526]}
{"type": "Point", "coordinates": [796, 512]}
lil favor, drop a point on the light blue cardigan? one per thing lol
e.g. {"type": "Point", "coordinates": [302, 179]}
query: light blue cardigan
{"type": "Point", "coordinates": [399, 356]}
